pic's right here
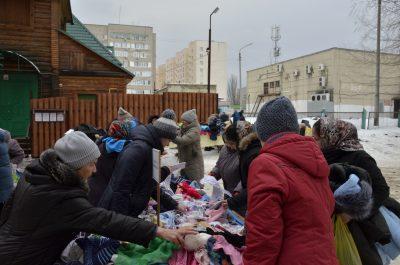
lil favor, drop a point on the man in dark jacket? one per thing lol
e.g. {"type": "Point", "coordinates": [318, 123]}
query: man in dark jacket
{"type": "Point", "coordinates": [132, 184]}
{"type": "Point", "coordinates": [49, 206]}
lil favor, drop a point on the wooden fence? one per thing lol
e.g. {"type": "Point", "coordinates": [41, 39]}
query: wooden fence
{"type": "Point", "coordinates": [52, 117]}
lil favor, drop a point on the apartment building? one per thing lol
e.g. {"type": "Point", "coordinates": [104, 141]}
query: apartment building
{"type": "Point", "coordinates": [190, 66]}
{"type": "Point", "coordinates": [135, 48]}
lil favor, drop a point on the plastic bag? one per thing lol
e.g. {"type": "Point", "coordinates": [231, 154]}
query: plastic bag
{"type": "Point", "coordinates": [346, 249]}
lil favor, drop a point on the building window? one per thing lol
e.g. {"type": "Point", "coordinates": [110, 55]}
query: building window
{"type": "Point", "coordinates": [271, 84]}
{"type": "Point", "coordinates": [277, 83]}
{"type": "Point", "coordinates": [111, 44]}
{"type": "Point", "coordinates": [14, 12]}
{"type": "Point", "coordinates": [201, 62]}
{"type": "Point", "coordinates": [117, 45]}
{"type": "Point", "coordinates": [266, 88]}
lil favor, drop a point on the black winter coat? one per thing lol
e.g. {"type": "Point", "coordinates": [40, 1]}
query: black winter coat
{"type": "Point", "coordinates": [132, 183]}
{"type": "Point", "coordinates": [99, 181]}
{"type": "Point", "coordinates": [366, 233]}
{"type": "Point", "coordinates": [249, 149]}
{"type": "Point", "coordinates": [105, 167]}
{"type": "Point", "coordinates": [43, 215]}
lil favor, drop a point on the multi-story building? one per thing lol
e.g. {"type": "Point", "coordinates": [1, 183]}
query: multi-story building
{"type": "Point", "coordinates": [334, 80]}
{"type": "Point", "coordinates": [189, 66]}
{"type": "Point", "coordinates": [135, 47]}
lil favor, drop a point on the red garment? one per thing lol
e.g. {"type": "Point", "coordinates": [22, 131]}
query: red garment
{"type": "Point", "coordinates": [290, 205]}
{"type": "Point", "coordinates": [186, 189]}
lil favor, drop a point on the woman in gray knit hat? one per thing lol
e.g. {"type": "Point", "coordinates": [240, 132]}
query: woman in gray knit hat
{"type": "Point", "coordinates": [189, 148]}
{"type": "Point", "coordinates": [50, 205]}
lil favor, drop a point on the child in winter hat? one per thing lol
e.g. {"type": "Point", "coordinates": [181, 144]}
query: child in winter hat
{"type": "Point", "coordinates": [276, 116]}
{"type": "Point", "coordinates": [189, 116]}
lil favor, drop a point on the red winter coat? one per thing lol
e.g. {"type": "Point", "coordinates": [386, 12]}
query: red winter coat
{"type": "Point", "coordinates": [290, 205]}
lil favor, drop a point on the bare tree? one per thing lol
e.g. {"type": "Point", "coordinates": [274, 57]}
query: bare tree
{"type": "Point", "coordinates": [233, 90]}
{"type": "Point", "coordinates": [365, 13]}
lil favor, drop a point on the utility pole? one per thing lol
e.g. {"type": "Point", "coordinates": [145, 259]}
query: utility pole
{"type": "Point", "coordinates": [240, 71]}
{"type": "Point", "coordinates": [378, 64]}
{"type": "Point", "coordinates": [209, 52]}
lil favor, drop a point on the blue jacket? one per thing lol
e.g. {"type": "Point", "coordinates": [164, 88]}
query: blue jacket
{"type": "Point", "coordinates": [6, 181]}
{"type": "Point", "coordinates": [132, 183]}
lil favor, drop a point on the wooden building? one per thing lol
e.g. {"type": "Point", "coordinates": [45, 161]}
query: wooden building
{"type": "Point", "coordinates": [45, 51]}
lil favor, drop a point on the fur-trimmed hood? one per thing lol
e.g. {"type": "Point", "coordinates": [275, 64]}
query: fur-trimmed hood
{"type": "Point", "coordinates": [245, 142]}
{"type": "Point", "coordinates": [49, 164]}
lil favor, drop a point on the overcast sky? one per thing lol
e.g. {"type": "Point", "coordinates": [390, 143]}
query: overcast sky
{"type": "Point", "coordinates": [306, 25]}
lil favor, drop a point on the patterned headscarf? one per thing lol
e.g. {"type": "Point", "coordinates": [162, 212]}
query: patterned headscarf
{"type": "Point", "coordinates": [243, 128]}
{"type": "Point", "coordinates": [119, 130]}
{"type": "Point", "coordinates": [338, 134]}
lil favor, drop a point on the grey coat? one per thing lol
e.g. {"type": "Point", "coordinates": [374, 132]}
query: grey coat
{"type": "Point", "coordinates": [227, 168]}
{"type": "Point", "coordinates": [189, 151]}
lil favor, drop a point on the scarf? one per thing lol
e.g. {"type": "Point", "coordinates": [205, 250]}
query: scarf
{"type": "Point", "coordinates": [118, 133]}
{"type": "Point", "coordinates": [338, 134]}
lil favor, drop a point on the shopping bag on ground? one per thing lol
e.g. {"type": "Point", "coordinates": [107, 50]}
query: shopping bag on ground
{"type": "Point", "coordinates": [346, 249]}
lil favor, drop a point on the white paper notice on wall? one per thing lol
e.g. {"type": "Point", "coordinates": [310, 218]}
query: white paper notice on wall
{"type": "Point", "coordinates": [53, 116]}
{"type": "Point", "coordinates": [60, 116]}
{"type": "Point", "coordinates": [38, 117]}
{"type": "Point", "coordinates": [46, 116]}
{"type": "Point", "coordinates": [156, 165]}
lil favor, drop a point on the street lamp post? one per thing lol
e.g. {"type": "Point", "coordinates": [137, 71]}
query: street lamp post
{"type": "Point", "coordinates": [240, 67]}
{"type": "Point", "coordinates": [209, 51]}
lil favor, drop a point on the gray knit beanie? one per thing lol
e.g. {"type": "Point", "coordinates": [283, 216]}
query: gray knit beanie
{"type": "Point", "coordinates": [276, 116]}
{"type": "Point", "coordinates": [166, 128]}
{"type": "Point", "coordinates": [76, 150]}
{"type": "Point", "coordinates": [169, 114]}
{"type": "Point", "coordinates": [189, 116]}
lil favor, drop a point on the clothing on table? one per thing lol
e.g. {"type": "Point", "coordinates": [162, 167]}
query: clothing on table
{"type": "Point", "coordinates": [233, 239]}
{"type": "Point", "coordinates": [158, 251]}
{"type": "Point", "coordinates": [97, 250]}
{"type": "Point", "coordinates": [188, 190]}
{"type": "Point", "coordinates": [182, 257]}
{"type": "Point", "coordinates": [52, 219]}
{"type": "Point", "coordinates": [215, 215]}
{"type": "Point", "coordinates": [189, 151]}
{"type": "Point", "coordinates": [233, 253]}
{"type": "Point", "coordinates": [227, 168]}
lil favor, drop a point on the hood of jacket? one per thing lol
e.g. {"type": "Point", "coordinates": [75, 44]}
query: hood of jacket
{"type": "Point", "coordinates": [301, 151]}
{"type": "Point", "coordinates": [49, 169]}
{"type": "Point", "coordinates": [249, 141]}
{"type": "Point", "coordinates": [190, 126]}
{"type": "Point", "coordinates": [148, 134]}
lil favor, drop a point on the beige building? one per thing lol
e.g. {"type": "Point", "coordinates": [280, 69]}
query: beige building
{"type": "Point", "coordinates": [190, 66]}
{"type": "Point", "coordinates": [337, 79]}
{"type": "Point", "coordinates": [187, 88]}
{"type": "Point", "coordinates": [135, 47]}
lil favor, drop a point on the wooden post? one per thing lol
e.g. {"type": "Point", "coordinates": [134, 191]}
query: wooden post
{"type": "Point", "coordinates": [159, 193]}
